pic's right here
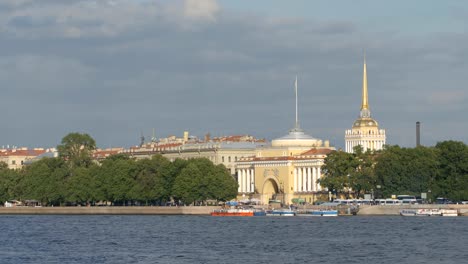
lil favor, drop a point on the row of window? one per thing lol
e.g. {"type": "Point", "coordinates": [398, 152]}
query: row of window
{"type": "Point", "coordinates": [229, 158]}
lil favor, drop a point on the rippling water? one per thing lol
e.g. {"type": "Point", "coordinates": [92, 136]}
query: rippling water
{"type": "Point", "coordinates": [205, 239]}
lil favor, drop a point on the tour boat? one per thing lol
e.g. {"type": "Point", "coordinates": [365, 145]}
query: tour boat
{"type": "Point", "coordinates": [280, 212]}
{"type": "Point", "coordinates": [429, 212]}
{"type": "Point", "coordinates": [233, 212]}
{"type": "Point", "coordinates": [324, 212]}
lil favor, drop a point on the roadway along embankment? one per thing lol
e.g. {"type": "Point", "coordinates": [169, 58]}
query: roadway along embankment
{"type": "Point", "coordinates": [109, 210]}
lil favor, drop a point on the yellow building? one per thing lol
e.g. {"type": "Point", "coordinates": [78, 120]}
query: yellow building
{"type": "Point", "coordinates": [285, 172]}
{"type": "Point", "coordinates": [365, 131]}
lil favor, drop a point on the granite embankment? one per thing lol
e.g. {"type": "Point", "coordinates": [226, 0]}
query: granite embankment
{"type": "Point", "coordinates": [395, 209]}
{"type": "Point", "coordinates": [109, 210]}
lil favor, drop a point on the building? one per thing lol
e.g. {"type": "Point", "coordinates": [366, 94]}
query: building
{"type": "Point", "coordinates": [365, 130]}
{"type": "Point", "coordinates": [16, 158]}
{"type": "Point", "coordinates": [286, 171]}
{"type": "Point", "coordinates": [220, 150]}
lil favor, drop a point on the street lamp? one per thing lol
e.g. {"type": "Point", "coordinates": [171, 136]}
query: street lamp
{"type": "Point", "coordinates": [349, 185]}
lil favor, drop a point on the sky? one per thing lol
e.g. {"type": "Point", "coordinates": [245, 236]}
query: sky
{"type": "Point", "coordinates": [116, 69]}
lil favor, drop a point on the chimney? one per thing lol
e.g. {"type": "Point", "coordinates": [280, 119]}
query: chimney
{"type": "Point", "coordinates": [418, 134]}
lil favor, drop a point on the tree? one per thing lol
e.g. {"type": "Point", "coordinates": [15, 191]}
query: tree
{"type": "Point", "coordinates": [452, 181]}
{"type": "Point", "coordinates": [44, 180]}
{"type": "Point", "coordinates": [77, 149]}
{"type": "Point", "coordinates": [337, 166]}
{"type": "Point", "coordinates": [117, 178]}
{"type": "Point", "coordinates": [81, 186]}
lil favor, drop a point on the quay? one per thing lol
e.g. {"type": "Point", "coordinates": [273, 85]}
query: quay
{"type": "Point", "coordinates": [108, 210]}
{"type": "Point", "coordinates": [374, 210]}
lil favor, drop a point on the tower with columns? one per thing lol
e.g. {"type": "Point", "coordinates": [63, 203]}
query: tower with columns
{"type": "Point", "coordinates": [365, 131]}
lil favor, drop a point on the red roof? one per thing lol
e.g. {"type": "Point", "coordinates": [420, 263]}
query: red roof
{"type": "Point", "coordinates": [22, 152]}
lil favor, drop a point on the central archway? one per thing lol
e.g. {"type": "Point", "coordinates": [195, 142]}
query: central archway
{"type": "Point", "coordinates": [270, 189]}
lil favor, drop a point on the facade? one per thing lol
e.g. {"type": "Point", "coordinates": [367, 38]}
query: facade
{"type": "Point", "coordinates": [16, 158]}
{"type": "Point", "coordinates": [220, 150]}
{"type": "Point", "coordinates": [365, 130]}
{"type": "Point", "coordinates": [287, 171]}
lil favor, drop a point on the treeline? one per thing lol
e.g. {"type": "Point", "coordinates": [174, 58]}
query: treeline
{"type": "Point", "coordinates": [439, 171]}
{"type": "Point", "coordinates": [73, 178]}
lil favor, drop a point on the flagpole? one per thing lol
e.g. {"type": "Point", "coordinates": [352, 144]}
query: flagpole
{"type": "Point", "coordinates": [295, 86]}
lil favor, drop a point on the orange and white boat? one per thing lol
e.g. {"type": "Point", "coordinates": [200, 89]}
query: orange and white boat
{"type": "Point", "coordinates": [233, 212]}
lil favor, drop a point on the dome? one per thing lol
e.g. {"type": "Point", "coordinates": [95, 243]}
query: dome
{"type": "Point", "coordinates": [295, 138]}
{"type": "Point", "coordinates": [365, 122]}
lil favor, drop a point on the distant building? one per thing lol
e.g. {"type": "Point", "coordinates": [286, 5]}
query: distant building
{"type": "Point", "coordinates": [365, 130]}
{"type": "Point", "coordinates": [224, 150]}
{"type": "Point", "coordinates": [16, 158]}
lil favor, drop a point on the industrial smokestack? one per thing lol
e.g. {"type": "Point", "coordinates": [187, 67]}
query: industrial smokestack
{"type": "Point", "coordinates": [418, 134]}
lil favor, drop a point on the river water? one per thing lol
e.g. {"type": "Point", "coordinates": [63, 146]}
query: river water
{"type": "Point", "coordinates": [205, 239]}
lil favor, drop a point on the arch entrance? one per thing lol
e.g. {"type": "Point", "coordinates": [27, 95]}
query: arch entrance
{"type": "Point", "coordinates": [270, 190]}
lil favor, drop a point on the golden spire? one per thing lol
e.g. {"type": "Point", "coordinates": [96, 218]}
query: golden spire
{"type": "Point", "coordinates": [365, 102]}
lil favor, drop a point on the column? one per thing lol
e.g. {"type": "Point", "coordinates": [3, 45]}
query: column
{"type": "Point", "coordinates": [243, 181]}
{"type": "Point", "coordinates": [299, 177]}
{"type": "Point", "coordinates": [295, 179]}
{"type": "Point", "coordinates": [309, 180]}
{"type": "Point", "coordinates": [318, 177]}
{"type": "Point", "coordinates": [314, 179]}
{"type": "Point", "coordinates": [239, 175]}
{"type": "Point", "coordinates": [252, 182]}
{"type": "Point", "coordinates": [248, 179]}
{"type": "Point", "coordinates": [304, 179]}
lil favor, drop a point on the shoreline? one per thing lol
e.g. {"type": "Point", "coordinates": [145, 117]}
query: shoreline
{"type": "Point", "coordinates": [109, 210]}
{"type": "Point", "coordinates": [192, 210]}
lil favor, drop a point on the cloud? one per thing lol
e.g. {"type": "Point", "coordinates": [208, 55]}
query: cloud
{"type": "Point", "coordinates": [201, 9]}
{"type": "Point", "coordinates": [115, 68]}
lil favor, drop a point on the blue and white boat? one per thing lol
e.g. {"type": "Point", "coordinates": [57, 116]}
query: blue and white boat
{"type": "Point", "coordinates": [280, 212]}
{"type": "Point", "coordinates": [328, 212]}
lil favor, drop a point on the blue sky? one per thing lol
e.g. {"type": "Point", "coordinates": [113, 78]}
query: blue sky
{"type": "Point", "coordinates": [119, 68]}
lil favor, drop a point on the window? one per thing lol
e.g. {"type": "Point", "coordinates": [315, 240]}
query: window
{"type": "Point", "coordinates": [229, 159]}
{"type": "Point", "coordinates": [222, 159]}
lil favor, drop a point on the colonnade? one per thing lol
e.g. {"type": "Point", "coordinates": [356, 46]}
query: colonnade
{"type": "Point", "coordinates": [305, 179]}
{"type": "Point", "coordinates": [246, 180]}
{"type": "Point", "coordinates": [366, 144]}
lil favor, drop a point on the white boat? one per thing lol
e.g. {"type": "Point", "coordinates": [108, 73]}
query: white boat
{"type": "Point", "coordinates": [324, 212]}
{"type": "Point", "coordinates": [429, 212]}
{"type": "Point", "coordinates": [449, 212]}
{"type": "Point", "coordinates": [280, 212]}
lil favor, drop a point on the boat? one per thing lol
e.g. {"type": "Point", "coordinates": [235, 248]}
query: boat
{"type": "Point", "coordinates": [280, 212]}
{"type": "Point", "coordinates": [324, 212]}
{"type": "Point", "coordinates": [233, 212]}
{"type": "Point", "coordinates": [449, 212]}
{"type": "Point", "coordinates": [429, 212]}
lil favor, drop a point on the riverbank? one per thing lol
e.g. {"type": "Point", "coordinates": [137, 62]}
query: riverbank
{"type": "Point", "coordinates": [109, 210]}
{"type": "Point", "coordinates": [190, 210]}
{"type": "Point", "coordinates": [395, 210]}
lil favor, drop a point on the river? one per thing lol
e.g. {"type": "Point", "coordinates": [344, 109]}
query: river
{"type": "Point", "coordinates": [205, 239]}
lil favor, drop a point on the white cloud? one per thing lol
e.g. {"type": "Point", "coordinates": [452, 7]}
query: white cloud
{"type": "Point", "coordinates": [201, 9]}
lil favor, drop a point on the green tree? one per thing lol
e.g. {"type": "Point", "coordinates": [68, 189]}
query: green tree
{"type": "Point", "coordinates": [452, 180]}
{"type": "Point", "coordinates": [77, 149]}
{"type": "Point", "coordinates": [116, 177]}
{"type": "Point", "coordinates": [82, 186]}
{"type": "Point", "coordinates": [44, 180]}
{"type": "Point", "coordinates": [337, 166]}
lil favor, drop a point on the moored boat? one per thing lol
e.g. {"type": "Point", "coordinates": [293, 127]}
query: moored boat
{"type": "Point", "coordinates": [280, 212]}
{"type": "Point", "coordinates": [325, 212]}
{"type": "Point", "coordinates": [428, 212]}
{"type": "Point", "coordinates": [233, 212]}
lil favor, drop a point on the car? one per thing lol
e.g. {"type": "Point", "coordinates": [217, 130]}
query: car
{"type": "Point", "coordinates": [464, 202]}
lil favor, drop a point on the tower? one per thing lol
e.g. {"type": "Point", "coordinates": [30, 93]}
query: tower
{"type": "Point", "coordinates": [365, 130]}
